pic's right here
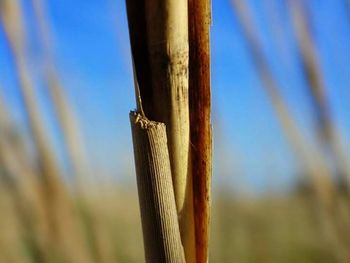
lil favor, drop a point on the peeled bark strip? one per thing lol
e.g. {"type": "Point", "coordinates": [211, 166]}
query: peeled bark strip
{"type": "Point", "coordinates": [167, 36]}
{"type": "Point", "coordinates": [160, 225]}
{"type": "Point", "coordinates": [200, 120]}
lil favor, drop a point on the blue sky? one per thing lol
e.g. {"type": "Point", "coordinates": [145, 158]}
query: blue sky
{"type": "Point", "coordinates": [91, 44]}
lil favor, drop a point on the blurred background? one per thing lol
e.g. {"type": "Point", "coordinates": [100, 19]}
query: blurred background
{"type": "Point", "coordinates": [280, 96]}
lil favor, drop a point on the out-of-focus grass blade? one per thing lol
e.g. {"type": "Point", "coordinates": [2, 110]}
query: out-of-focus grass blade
{"type": "Point", "coordinates": [328, 133]}
{"type": "Point", "coordinates": [289, 125]}
{"type": "Point", "coordinates": [57, 206]}
{"type": "Point", "coordinates": [64, 112]}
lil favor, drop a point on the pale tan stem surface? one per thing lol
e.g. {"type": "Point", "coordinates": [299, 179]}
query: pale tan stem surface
{"type": "Point", "coordinates": [168, 49]}
{"type": "Point", "coordinates": [167, 35]}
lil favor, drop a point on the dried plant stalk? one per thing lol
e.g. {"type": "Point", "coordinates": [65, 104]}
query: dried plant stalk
{"type": "Point", "coordinates": [69, 126]}
{"type": "Point", "coordinates": [11, 17]}
{"type": "Point", "coordinates": [160, 226]}
{"type": "Point", "coordinates": [18, 177]}
{"type": "Point", "coordinates": [200, 120]}
{"type": "Point", "coordinates": [314, 163]}
{"type": "Point", "coordinates": [65, 114]}
{"type": "Point", "coordinates": [159, 36]}
{"type": "Point", "coordinates": [144, 86]}
{"type": "Point", "coordinates": [167, 32]}
{"type": "Point", "coordinates": [159, 41]}
{"type": "Point", "coordinates": [328, 133]}
{"type": "Point", "coordinates": [57, 206]}
{"type": "Point", "coordinates": [168, 50]}
{"type": "Point", "coordinates": [320, 177]}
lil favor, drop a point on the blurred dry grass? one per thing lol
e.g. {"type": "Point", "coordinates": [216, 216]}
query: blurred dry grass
{"type": "Point", "coordinates": [284, 229]}
{"type": "Point", "coordinates": [43, 219]}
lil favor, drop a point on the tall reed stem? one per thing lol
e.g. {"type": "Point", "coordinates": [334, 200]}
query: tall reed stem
{"type": "Point", "coordinates": [200, 120]}
{"type": "Point", "coordinates": [161, 72]}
